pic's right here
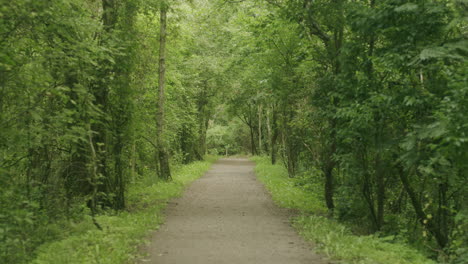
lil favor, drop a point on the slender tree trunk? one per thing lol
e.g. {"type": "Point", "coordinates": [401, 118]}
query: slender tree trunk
{"type": "Point", "coordinates": [443, 210]}
{"type": "Point", "coordinates": [441, 238]}
{"type": "Point", "coordinates": [203, 128]}
{"type": "Point", "coordinates": [259, 129]}
{"type": "Point", "coordinates": [268, 143]}
{"type": "Point", "coordinates": [164, 169]}
{"type": "Point", "coordinates": [367, 187]}
{"type": "Point", "coordinates": [329, 165]}
{"type": "Point", "coordinates": [379, 171]}
{"type": "Point", "coordinates": [201, 142]}
{"type": "Point", "coordinates": [93, 180]}
{"type": "Point", "coordinates": [329, 187]}
{"type": "Point", "coordinates": [367, 193]}
{"type": "Point", "coordinates": [274, 137]}
{"type": "Point", "coordinates": [205, 124]}
{"type": "Point", "coordinates": [203, 120]}
{"type": "Point", "coordinates": [288, 144]}
{"type": "Point", "coordinates": [380, 192]}
{"type": "Point", "coordinates": [201, 147]}
{"type": "Point", "coordinates": [108, 16]}
{"type": "Point", "coordinates": [252, 140]}
{"type": "Point", "coordinates": [119, 200]}
{"type": "Point", "coordinates": [291, 156]}
{"type": "Point", "coordinates": [133, 162]}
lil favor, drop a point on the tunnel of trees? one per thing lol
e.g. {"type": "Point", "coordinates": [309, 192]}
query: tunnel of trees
{"type": "Point", "coordinates": [368, 98]}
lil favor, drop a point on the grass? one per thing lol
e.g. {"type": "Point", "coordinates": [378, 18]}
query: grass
{"type": "Point", "coordinates": [124, 232]}
{"type": "Point", "coordinates": [284, 190]}
{"type": "Point", "coordinates": [330, 237]}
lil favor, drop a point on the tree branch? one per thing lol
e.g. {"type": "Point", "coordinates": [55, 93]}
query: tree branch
{"type": "Point", "coordinates": [313, 26]}
{"type": "Point", "coordinates": [151, 142]}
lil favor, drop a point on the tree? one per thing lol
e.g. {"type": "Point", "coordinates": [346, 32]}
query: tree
{"type": "Point", "coordinates": [164, 169]}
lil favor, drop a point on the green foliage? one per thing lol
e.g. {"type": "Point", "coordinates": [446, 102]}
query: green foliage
{"type": "Point", "coordinates": [77, 111]}
{"type": "Point", "coordinates": [330, 237]}
{"type": "Point", "coordinates": [286, 191]}
{"type": "Point", "coordinates": [124, 231]}
{"type": "Point", "coordinates": [364, 102]}
{"type": "Point", "coordinates": [226, 135]}
{"type": "Point", "coordinates": [372, 96]}
{"type": "Point", "coordinates": [337, 241]}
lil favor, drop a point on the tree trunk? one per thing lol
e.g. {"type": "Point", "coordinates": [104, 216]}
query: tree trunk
{"type": "Point", "coordinates": [133, 158]}
{"type": "Point", "coordinates": [380, 192]}
{"type": "Point", "coordinates": [379, 172]}
{"type": "Point", "coordinates": [268, 143]}
{"type": "Point", "coordinates": [274, 137]}
{"type": "Point", "coordinates": [260, 129]}
{"type": "Point", "coordinates": [443, 208]}
{"type": "Point", "coordinates": [119, 199]}
{"type": "Point", "coordinates": [203, 136]}
{"type": "Point", "coordinates": [252, 141]}
{"type": "Point", "coordinates": [329, 186]}
{"type": "Point", "coordinates": [203, 121]}
{"type": "Point", "coordinates": [93, 180]}
{"type": "Point", "coordinates": [164, 169]}
{"type": "Point", "coordinates": [367, 187]}
{"type": "Point", "coordinates": [329, 165]}
{"type": "Point", "coordinates": [108, 16]}
{"type": "Point", "coordinates": [441, 239]}
{"type": "Point", "coordinates": [290, 155]}
{"type": "Point", "coordinates": [202, 130]}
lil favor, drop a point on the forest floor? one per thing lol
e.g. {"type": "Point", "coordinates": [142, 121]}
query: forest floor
{"type": "Point", "coordinates": [227, 216]}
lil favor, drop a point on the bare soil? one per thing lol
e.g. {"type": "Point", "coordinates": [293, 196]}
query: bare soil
{"type": "Point", "coordinates": [227, 217]}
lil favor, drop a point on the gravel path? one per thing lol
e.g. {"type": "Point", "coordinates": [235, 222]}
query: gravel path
{"type": "Point", "coordinates": [227, 217]}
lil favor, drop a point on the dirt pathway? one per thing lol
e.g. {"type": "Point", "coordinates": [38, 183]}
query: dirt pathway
{"type": "Point", "coordinates": [227, 217]}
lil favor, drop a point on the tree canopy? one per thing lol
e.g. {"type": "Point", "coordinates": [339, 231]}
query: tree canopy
{"type": "Point", "coordinates": [367, 98]}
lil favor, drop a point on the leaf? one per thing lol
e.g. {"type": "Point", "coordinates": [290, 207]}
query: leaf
{"type": "Point", "coordinates": [454, 50]}
{"type": "Point", "coordinates": [409, 7]}
{"type": "Point", "coordinates": [36, 116]}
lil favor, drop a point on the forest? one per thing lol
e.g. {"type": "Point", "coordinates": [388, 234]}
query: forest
{"type": "Point", "coordinates": [363, 102]}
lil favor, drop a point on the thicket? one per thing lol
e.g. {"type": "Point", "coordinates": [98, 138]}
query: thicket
{"type": "Point", "coordinates": [124, 233]}
{"type": "Point", "coordinates": [370, 99]}
{"type": "Point", "coordinates": [367, 97]}
{"type": "Point", "coordinates": [330, 237]}
{"type": "Point", "coordinates": [79, 97]}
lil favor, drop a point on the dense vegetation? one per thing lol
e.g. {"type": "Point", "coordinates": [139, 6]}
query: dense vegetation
{"type": "Point", "coordinates": [123, 233]}
{"type": "Point", "coordinates": [368, 99]}
{"type": "Point", "coordinates": [79, 85]}
{"type": "Point", "coordinates": [330, 237]}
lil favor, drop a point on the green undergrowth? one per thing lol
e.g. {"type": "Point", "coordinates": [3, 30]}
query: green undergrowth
{"type": "Point", "coordinates": [284, 190]}
{"type": "Point", "coordinates": [123, 232]}
{"type": "Point", "coordinates": [329, 236]}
